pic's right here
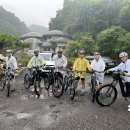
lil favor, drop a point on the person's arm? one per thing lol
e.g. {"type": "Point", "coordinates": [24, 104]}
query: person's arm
{"type": "Point", "coordinates": [117, 68]}
{"type": "Point", "coordinates": [88, 66]}
{"type": "Point", "coordinates": [103, 65]}
{"type": "Point", "coordinates": [15, 63]}
{"type": "Point", "coordinates": [65, 62]}
{"type": "Point", "coordinates": [42, 61]}
{"type": "Point", "coordinates": [30, 63]}
{"type": "Point", "coordinates": [55, 63]}
{"type": "Point", "coordinates": [75, 65]}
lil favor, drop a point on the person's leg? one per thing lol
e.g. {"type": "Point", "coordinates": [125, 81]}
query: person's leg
{"type": "Point", "coordinates": [83, 85]}
{"type": "Point", "coordinates": [99, 79]}
{"type": "Point", "coordinates": [13, 82]}
{"type": "Point", "coordinates": [76, 82]}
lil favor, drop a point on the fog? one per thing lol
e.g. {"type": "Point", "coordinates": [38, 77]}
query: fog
{"type": "Point", "coordinates": [36, 12]}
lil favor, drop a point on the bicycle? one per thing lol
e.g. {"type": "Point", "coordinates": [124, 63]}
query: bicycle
{"type": "Point", "coordinates": [28, 79]}
{"type": "Point", "coordinates": [55, 81]}
{"type": "Point", "coordinates": [70, 83]}
{"type": "Point", "coordinates": [93, 85]}
{"type": "Point", "coordinates": [109, 94]}
{"type": "Point", "coordinates": [5, 81]}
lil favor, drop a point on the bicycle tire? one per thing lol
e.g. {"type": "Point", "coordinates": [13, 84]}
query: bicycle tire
{"type": "Point", "coordinates": [72, 90]}
{"type": "Point", "coordinates": [57, 83]}
{"type": "Point", "coordinates": [48, 80]}
{"type": "Point", "coordinates": [106, 95]}
{"type": "Point", "coordinates": [8, 89]}
{"type": "Point", "coordinates": [2, 83]}
{"type": "Point", "coordinates": [93, 91]}
{"type": "Point", "coordinates": [37, 87]}
{"type": "Point", "coordinates": [26, 81]}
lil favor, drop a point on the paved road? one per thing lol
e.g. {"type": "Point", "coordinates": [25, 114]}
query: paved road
{"type": "Point", "coordinates": [22, 111]}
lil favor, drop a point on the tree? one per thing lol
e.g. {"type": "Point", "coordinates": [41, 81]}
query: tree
{"type": "Point", "coordinates": [9, 42]}
{"type": "Point", "coordinates": [108, 41]}
{"type": "Point", "coordinates": [125, 17]}
{"type": "Point", "coordinates": [72, 49]}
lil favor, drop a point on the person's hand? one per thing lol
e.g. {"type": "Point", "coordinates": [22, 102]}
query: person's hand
{"type": "Point", "coordinates": [109, 71]}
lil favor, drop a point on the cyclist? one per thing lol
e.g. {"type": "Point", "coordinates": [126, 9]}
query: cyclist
{"type": "Point", "coordinates": [35, 61]}
{"type": "Point", "coordinates": [60, 63]}
{"type": "Point", "coordinates": [98, 65]}
{"type": "Point", "coordinates": [80, 66]}
{"type": "Point", "coordinates": [124, 66]}
{"type": "Point", "coordinates": [10, 62]}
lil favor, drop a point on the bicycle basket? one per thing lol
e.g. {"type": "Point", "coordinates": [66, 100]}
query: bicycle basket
{"type": "Point", "coordinates": [116, 76]}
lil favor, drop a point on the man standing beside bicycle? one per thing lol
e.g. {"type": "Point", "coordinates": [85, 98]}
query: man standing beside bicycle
{"type": "Point", "coordinates": [124, 66]}
{"type": "Point", "coordinates": [35, 61]}
{"type": "Point", "coordinates": [60, 63]}
{"type": "Point", "coordinates": [98, 67]}
{"type": "Point", "coordinates": [80, 66]}
{"type": "Point", "coordinates": [12, 64]}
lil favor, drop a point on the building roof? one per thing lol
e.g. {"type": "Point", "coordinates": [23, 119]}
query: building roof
{"type": "Point", "coordinates": [46, 44]}
{"type": "Point", "coordinates": [32, 40]}
{"type": "Point", "coordinates": [55, 32]}
{"type": "Point", "coordinates": [31, 35]}
{"type": "Point", "coordinates": [60, 39]}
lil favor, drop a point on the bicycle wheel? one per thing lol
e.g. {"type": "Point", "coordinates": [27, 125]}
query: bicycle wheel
{"type": "Point", "coordinates": [2, 83]}
{"type": "Point", "coordinates": [37, 87]}
{"type": "Point", "coordinates": [47, 81]}
{"type": "Point", "coordinates": [72, 90]}
{"type": "Point", "coordinates": [8, 89]}
{"type": "Point", "coordinates": [106, 95]}
{"type": "Point", "coordinates": [57, 87]}
{"type": "Point", "coordinates": [27, 81]}
{"type": "Point", "coordinates": [93, 90]}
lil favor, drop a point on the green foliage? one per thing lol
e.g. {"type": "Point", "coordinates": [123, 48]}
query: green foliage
{"type": "Point", "coordinates": [70, 62]}
{"type": "Point", "coordinates": [72, 49]}
{"type": "Point", "coordinates": [10, 24]}
{"type": "Point", "coordinates": [9, 42]}
{"type": "Point", "coordinates": [111, 41]}
{"type": "Point", "coordinates": [90, 16]}
{"type": "Point", "coordinates": [125, 17]}
{"type": "Point", "coordinates": [85, 43]}
{"type": "Point", "coordinates": [22, 58]}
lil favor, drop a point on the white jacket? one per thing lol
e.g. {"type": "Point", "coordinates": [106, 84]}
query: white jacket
{"type": "Point", "coordinates": [123, 67]}
{"type": "Point", "coordinates": [60, 62]}
{"type": "Point", "coordinates": [98, 65]}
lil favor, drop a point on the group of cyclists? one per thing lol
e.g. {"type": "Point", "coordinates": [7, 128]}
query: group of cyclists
{"type": "Point", "coordinates": [81, 64]}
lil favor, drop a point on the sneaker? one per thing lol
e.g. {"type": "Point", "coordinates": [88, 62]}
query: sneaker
{"type": "Point", "coordinates": [32, 89]}
{"type": "Point", "coordinates": [13, 90]}
{"type": "Point", "coordinates": [82, 92]}
{"type": "Point", "coordinates": [128, 106]}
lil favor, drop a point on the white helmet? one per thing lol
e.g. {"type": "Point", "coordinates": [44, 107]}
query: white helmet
{"type": "Point", "coordinates": [9, 51]}
{"type": "Point", "coordinates": [36, 50]}
{"type": "Point", "coordinates": [122, 54]}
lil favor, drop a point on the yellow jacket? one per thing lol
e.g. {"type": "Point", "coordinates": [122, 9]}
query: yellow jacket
{"type": "Point", "coordinates": [36, 61]}
{"type": "Point", "coordinates": [81, 64]}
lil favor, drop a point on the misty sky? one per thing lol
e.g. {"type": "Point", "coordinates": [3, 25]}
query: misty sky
{"type": "Point", "coordinates": [33, 11]}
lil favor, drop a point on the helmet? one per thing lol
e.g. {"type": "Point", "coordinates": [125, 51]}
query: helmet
{"type": "Point", "coordinates": [122, 54]}
{"type": "Point", "coordinates": [81, 51]}
{"type": "Point", "coordinates": [60, 50]}
{"type": "Point", "coordinates": [9, 51]}
{"type": "Point", "coordinates": [36, 50]}
{"type": "Point", "coordinates": [96, 53]}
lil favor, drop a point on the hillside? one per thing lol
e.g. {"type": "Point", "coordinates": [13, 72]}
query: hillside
{"type": "Point", "coordinates": [38, 28]}
{"type": "Point", "coordinates": [10, 24]}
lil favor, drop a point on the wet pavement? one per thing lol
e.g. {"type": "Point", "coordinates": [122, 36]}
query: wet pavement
{"type": "Point", "coordinates": [23, 111]}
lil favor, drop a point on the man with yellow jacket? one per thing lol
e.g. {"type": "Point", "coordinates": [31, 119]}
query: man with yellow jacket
{"type": "Point", "coordinates": [80, 67]}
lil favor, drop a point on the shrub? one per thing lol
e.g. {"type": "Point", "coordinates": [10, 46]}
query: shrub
{"type": "Point", "coordinates": [22, 58]}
